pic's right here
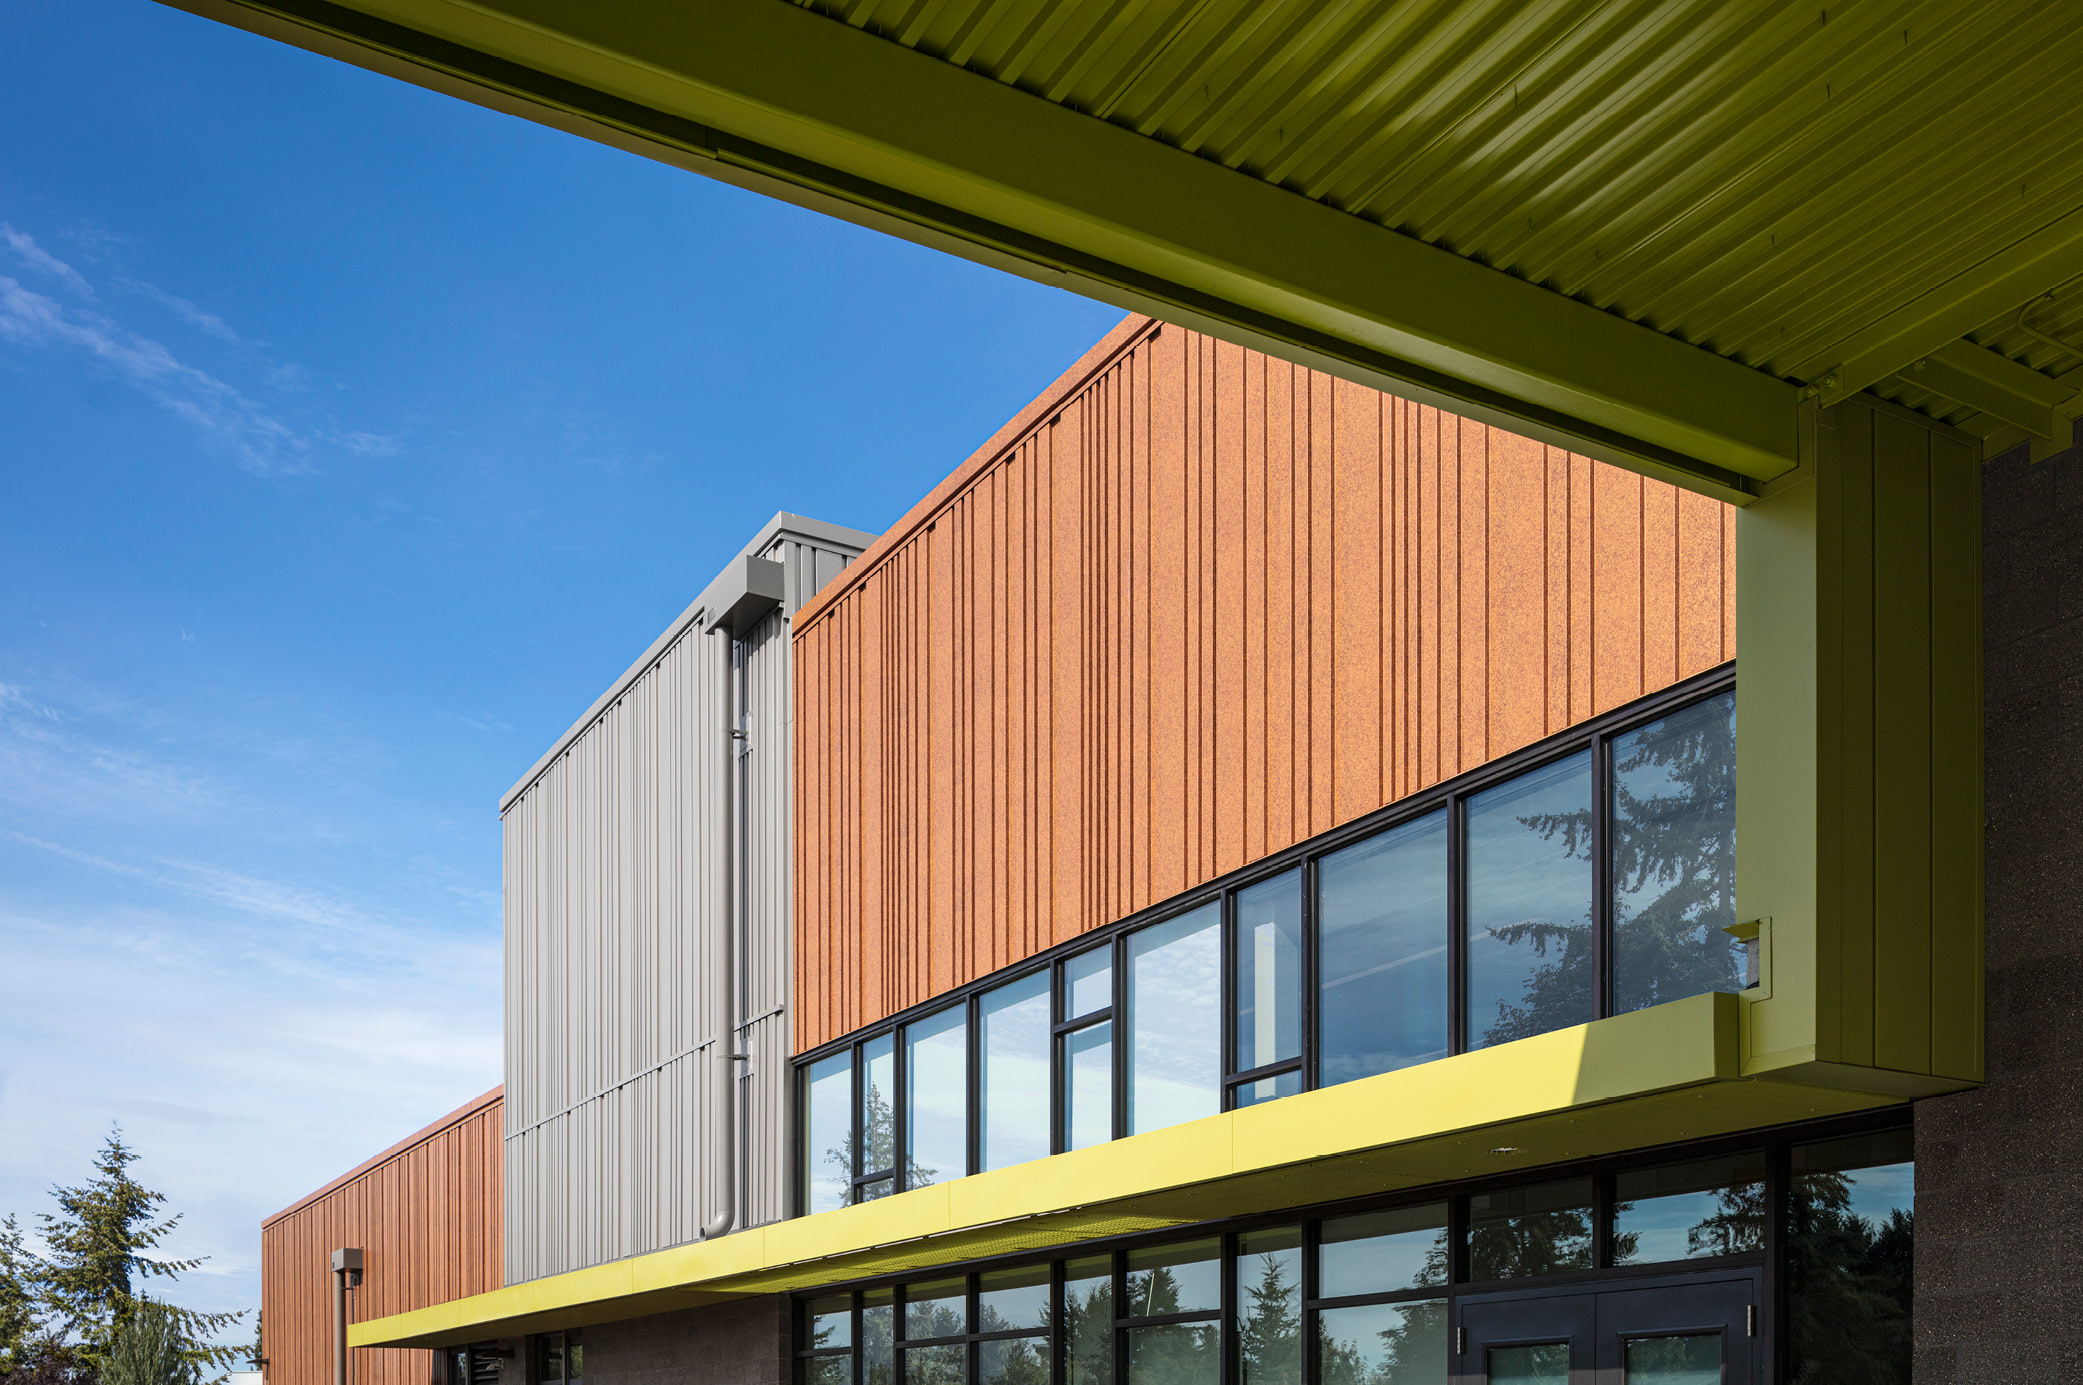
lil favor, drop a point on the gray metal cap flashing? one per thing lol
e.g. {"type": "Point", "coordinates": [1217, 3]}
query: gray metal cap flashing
{"type": "Point", "coordinates": [740, 596]}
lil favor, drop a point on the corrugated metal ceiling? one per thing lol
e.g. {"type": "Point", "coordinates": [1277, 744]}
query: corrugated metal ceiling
{"type": "Point", "coordinates": [1763, 179]}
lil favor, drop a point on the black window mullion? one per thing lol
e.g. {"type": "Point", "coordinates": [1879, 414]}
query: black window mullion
{"type": "Point", "coordinates": [1059, 1314]}
{"type": "Point", "coordinates": [900, 1119]}
{"type": "Point", "coordinates": [860, 1346]}
{"type": "Point", "coordinates": [1227, 922]}
{"type": "Point", "coordinates": [975, 1037]}
{"type": "Point", "coordinates": [860, 1147]}
{"type": "Point", "coordinates": [1601, 877]}
{"type": "Point", "coordinates": [1119, 976]}
{"type": "Point", "coordinates": [1120, 1297]}
{"type": "Point", "coordinates": [1309, 977]}
{"type": "Point", "coordinates": [1602, 1221]}
{"type": "Point", "coordinates": [1230, 1369]}
{"type": "Point", "coordinates": [1059, 1071]}
{"type": "Point", "coordinates": [1457, 924]}
{"type": "Point", "coordinates": [1772, 1311]}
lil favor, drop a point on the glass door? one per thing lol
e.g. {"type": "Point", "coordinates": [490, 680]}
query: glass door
{"type": "Point", "coordinates": [1692, 1331]}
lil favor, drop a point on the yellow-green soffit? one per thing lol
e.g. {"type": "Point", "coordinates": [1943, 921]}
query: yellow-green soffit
{"type": "Point", "coordinates": [1637, 230]}
{"type": "Point", "coordinates": [1652, 1077]}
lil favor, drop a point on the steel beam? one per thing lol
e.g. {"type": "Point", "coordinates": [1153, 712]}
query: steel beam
{"type": "Point", "coordinates": [775, 97]}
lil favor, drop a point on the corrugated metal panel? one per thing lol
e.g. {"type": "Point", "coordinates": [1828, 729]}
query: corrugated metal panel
{"type": "Point", "coordinates": [609, 903]}
{"type": "Point", "coordinates": [1205, 604]}
{"type": "Point", "coordinates": [427, 1214]}
{"type": "Point", "coordinates": [1765, 178]}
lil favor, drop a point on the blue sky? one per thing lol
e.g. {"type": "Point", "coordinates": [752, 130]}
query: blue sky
{"type": "Point", "coordinates": [352, 440]}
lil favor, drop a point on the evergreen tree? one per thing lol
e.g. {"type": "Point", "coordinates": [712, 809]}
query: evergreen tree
{"type": "Point", "coordinates": [99, 1253]}
{"type": "Point", "coordinates": [150, 1348]}
{"type": "Point", "coordinates": [20, 1337]}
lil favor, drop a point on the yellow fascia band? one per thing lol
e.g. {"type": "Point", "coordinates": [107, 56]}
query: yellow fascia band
{"type": "Point", "coordinates": [1651, 1077]}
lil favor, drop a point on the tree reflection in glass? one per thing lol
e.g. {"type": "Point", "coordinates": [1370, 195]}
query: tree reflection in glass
{"type": "Point", "coordinates": [1088, 1321]}
{"type": "Point", "coordinates": [1851, 1237]}
{"type": "Point", "coordinates": [1383, 1344]}
{"type": "Point", "coordinates": [1530, 945]}
{"type": "Point", "coordinates": [1269, 1307]}
{"type": "Point", "coordinates": [1673, 857]}
{"type": "Point", "coordinates": [1522, 1232]}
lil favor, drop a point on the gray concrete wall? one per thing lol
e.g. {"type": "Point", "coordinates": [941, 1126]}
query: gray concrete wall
{"type": "Point", "coordinates": [741, 1343]}
{"type": "Point", "coordinates": [2000, 1169]}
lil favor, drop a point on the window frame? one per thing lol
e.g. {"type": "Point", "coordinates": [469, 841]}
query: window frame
{"type": "Point", "coordinates": [1774, 1150]}
{"type": "Point", "coordinates": [1595, 734]}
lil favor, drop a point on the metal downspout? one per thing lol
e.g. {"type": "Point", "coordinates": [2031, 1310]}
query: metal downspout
{"type": "Point", "coordinates": [723, 1048]}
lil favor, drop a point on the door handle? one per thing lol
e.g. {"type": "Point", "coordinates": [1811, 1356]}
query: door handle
{"type": "Point", "coordinates": [1750, 1319]}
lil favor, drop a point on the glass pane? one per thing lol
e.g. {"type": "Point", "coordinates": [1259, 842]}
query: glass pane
{"type": "Point", "coordinates": [1529, 904]}
{"type": "Point", "coordinates": [1088, 1097]}
{"type": "Point", "coordinates": [936, 1110]}
{"type": "Point", "coordinates": [1267, 943]}
{"type": "Point", "coordinates": [1713, 1207]}
{"type": "Point", "coordinates": [878, 1337]}
{"type": "Point", "coordinates": [1674, 857]}
{"type": "Point", "coordinates": [1383, 1344]}
{"type": "Point", "coordinates": [1021, 1361]}
{"type": "Point", "coordinates": [1528, 1231]}
{"type": "Point", "coordinates": [1015, 1033]}
{"type": "Point", "coordinates": [1382, 952]}
{"type": "Point", "coordinates": [828, 1133]}
{"type": "Point", "coordinates": [1183, 1278]}
{"type": "Point", "coordinates": [1269, 1307]}
{"type": "Point", "coordinates": [881, 1187]}
{"type": "Point", "coordinates": [1088, 1321]}
{"type": "Point", "coordinates": [878, 1104]}
{"type": "Point", "coordinates": [1175, 1020]}
{"type": "Point", "coordinates": [829, 1370]}
{"type": "Point", "coordinates": [574, 1360]}
{"type": "Point", "coordinates": [1008, 1300]}
{"type": "Point", "coordinates": [549, 1358]}
{"type": "Point", "coordinates": [948, 1365]}
{"type": "Point", "coordinates": [1179, 1354]}
{"type": "Point", "coordinates": [938, 1309]}
{"type": "Point", "coordinates": [1268, 1088]}
{"type": "Point", "coordinates": [1694, 1360]}
{"type": "Point", "coordinates": [1544, 1364]}
{"type": "Point", "coordinates": [1851, 1231]}
{"type": "Point", "coordinates": [1088, 981]}
{"type": "Point", "coordinates": [831, 1323]}
{"type": "Point", "coordinates": [1383, 1252]}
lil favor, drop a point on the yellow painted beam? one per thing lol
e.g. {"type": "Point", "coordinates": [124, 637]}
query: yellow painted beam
{"type": "Point", "coordinates": [1652, 1077]}
{"type": "Point", "coordinates": [779, 98]}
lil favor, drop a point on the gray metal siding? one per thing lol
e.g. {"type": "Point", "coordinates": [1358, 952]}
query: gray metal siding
{"type": "Point", "coordinates": [609, 850]}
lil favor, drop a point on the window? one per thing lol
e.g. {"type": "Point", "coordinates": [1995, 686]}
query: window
{"type": "Point", "coordinates": [1591, 875]}
{"type": "Point", "coordinates": [936, 1097]}
{"type": "Point", "coordinates": [1382, 921]}
{"type": "Point", "coordinates": [1363, 1298]}
{"type": "Point", "coordinates": [1380, 1279]}
{"type": "Point", "coordinates": [1688, 1211]}
{"type": "Point", "coordinates": [1673, 857]}
{"type": "Point", "coordinates": [1851, 1237]}
{"type": "Point", "coordinates": [877, 1176]}
{"type": "Point", "coordinates": [1529, 940]}
{"type": "Point", "coordinates": [828, 1133]}
{"type": "Point", "coordinates": [1266, 990]}
{"type": "Point", "coordinates": [1269, 1307]}
{"type": "Point", "coordinates": [1014, 1023]}
{"type": "Point", "coordinates": [1174, 1020]}
{"type": "Point", "coordinates": [1085, 1042]}
{"type": "Point", "coordinates": [560, 1359]}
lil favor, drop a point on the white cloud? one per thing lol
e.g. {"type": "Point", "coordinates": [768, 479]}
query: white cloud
{"type": "Point", "coordinates": [206, 322]}
{"type": "Point", "coordinates": [42, 261]}
{"type": "Point", "coordinates": [256, 439]}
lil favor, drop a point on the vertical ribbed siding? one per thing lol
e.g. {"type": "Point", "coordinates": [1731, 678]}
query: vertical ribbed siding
{"type": "Point", "coordinates": [1202, 605]}
{"type": "Point", "coordinates": [609, 903]}
{"type": "Point", "coordinates": [425, 1212]}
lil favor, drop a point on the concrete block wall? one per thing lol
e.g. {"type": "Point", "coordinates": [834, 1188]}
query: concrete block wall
{"type": "Point", "coordinates": [2000, 1169]}
{"type": "Point", "coordinates": [742, 1343]}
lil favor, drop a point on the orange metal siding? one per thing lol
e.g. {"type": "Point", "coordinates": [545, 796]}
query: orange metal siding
{"type": "Point", "coordinates": [427, 1212]}
{"type": "Point", "coordinates": [1194, 605]}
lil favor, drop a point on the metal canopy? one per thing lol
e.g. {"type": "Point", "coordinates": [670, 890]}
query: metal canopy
{"type": "Point", "coordinates": [1644, 230]}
